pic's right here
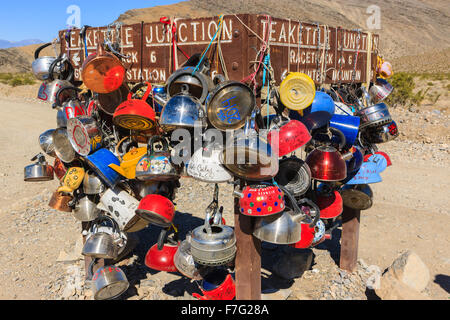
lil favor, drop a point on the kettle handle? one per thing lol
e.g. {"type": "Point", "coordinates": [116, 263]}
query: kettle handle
{"type": "Point", "coordinates": [335, 132]}
{"type": "Point", "coordinates": [62, 59]}
{"type": "Point", "coordinates": [292, 199]}
{"type": "Point", "coordinates": [154, 139]}
{"type": "Point", "coordinates": [38, 50]}
{"type": "Point", "coordinates": [315, 207]}
{"type": "Point", "coordinates": [138, 87]}
{"type": "Point", "coordinates": [57, 100]}
{"type": "Point", "coordinates": [106, 218]}
{"type": "Point", "coordinates": [163, 237]}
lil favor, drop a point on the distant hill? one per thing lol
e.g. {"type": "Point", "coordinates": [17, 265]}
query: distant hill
{"type": "Point", "coordinates": [5, 44]}
{"type": "Point", "coordinates": [408, 27]}
{"type": "Point", "coordinates": [414, 34]}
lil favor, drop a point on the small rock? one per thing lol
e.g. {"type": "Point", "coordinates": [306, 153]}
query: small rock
{"type": "Point", "coordinates": [393, 289]}
{"type": "Point", "coordinates": [410, 270]}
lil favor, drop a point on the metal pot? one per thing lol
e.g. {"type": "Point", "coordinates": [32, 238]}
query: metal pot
{"type": "Point", "coordinates": [229, 105]}
{"type": "Point", "coordinates": [100, 244]}
{"type": "Point", "coordinates": [60, 202]}
{"type": "Point", "coordinates": [205, 165]}
{"type": "Point", "coordinates": [213, 245]}
{"type": "Point", "coordinates": [136, 114]}
{"type": "Point", "coordinates": [108, 102]}
{"type": "Point", "coordinates": [329, 202]}
{"type": "Point", "coordinates": [103, 72]}
{"type": "Point", "coordinates": [156, 165]}
{"type": "Point", "coordinates": [46, 143]}
{"type": "Point", "coordinates": [294, 175]}
{"type": "Point", "coordinates": [185, 80]}
{"type": "Point", "coordinates": [72, 180]}
{"type": "Point", "coordinates": [217, 285]}
{"type": "Point", "coordinates": [380, 90]}
{"type": "Point", "coordinates": [375, 115]}
{"type": "Point", "coordinates": [249, 156]}
{"type": "Point", "coordinates": [109, 282]}
{"type": "Point", "coordinates": [47, 91]}
{"type": "Point", "coordinates": [316, 120]}
{"type": "Point", "coordinates": [86, 210]}
{"type": "Point", "coordinates": [100, 161]}
{"type": "Point", "coordinates": [161, 256]}
{"type": "Point", "coordinates": [129, 161]}
{"type": "Point", "coordinates": [181, 111]}
{"type": "Point", "coordinates": [40, 171]}
{"type": "Point", "coordinates": [122, 207]}
{"type": "Point", "coordinates": [327, 164]}
{"type": "Point", "coordinates": [382, 134]}
{"type": "Point", "coordinates": [84, 134]}
{"type": "Point", "coordinates": [348, 125]}
{"type": "Point", "coordinates": [282, 228]}
{"type": "Point", "coordinates": [68, 107]}
{"type": "Point", "coordinates": [358, 197]}
{"type": "Point", "coordinates": [309, 226]}
{"type": "Point", "coordinates": [297, 91]}
{"type": "Point", "coordinates": [292, 135]}
{"type": "Point", "coordinates": [184, 261]}
{"type": "Point", "coordinates": [157, 210]}
{"type": "Point", "coordinates": [63, 148]}
{"type": "Point", "coordinates": [261, 200]}
{"type": "Point", "coordinates": [41, 65]}
{"type": "Point", "coordinates": [92, 185]}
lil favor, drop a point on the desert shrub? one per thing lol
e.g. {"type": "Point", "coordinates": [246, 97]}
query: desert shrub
{"type": "Point", "coordinates": [17, 79]}
{"type": "Point", "coordinates": [403, 89]}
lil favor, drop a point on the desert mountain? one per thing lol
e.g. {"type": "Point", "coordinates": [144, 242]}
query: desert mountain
{"type": "Point", "coordinates": [413, 33]}
{"type": "Point", "coordinates": [408, 27]}
{"type": "Point", "coordinates": [5, 44]}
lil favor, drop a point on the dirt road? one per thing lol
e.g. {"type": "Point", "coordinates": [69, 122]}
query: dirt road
{"type": "Point", "coordinates": [410, 212]}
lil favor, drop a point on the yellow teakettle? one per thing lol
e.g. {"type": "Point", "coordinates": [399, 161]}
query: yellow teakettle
{"type": "Point", "coordinates": [128, 162]}
{"type": "Point", "coordinates": [72, 180]}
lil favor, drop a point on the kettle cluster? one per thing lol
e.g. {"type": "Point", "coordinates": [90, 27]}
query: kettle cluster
{"type": "Point", "coordinates": [119, 166]}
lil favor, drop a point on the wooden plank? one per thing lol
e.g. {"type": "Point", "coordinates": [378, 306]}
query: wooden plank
{"type": "Point", "coordinates": [349, 239]}
{"type": "Point", "coordinates": [248, 258]}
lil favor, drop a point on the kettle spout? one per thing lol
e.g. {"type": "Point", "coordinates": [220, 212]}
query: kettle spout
{"type": "Point", "coordinates": [120, 170]}
{"type": "Point", "coordinates": [160, 100]}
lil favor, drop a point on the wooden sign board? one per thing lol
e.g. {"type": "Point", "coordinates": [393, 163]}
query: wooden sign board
{"type": "Point", "coordinates": [326, 54]}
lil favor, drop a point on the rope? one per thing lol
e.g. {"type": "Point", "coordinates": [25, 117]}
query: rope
{"type": "Point", "coordinates": [248, 28]}
{"type": "Point", "coordinates": [261, 53]}
{"type": "Point", "coordinates": [171, 24]}
{"type": "Point", "coordinates": [209, 45]}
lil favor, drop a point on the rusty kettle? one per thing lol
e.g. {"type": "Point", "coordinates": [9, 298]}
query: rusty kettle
{"type": "Point", "coordinates": [103, 72]}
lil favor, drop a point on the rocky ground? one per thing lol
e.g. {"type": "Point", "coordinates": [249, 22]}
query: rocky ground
{"type": "Point", "coordinates": [41, 247]}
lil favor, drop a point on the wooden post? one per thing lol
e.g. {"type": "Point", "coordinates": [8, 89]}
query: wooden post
{"type": "Point", "coordinates": [349, 239]}
{"type": "Point", "coordinates": [248, 258]}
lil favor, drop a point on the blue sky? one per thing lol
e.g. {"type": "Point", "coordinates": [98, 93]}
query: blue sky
{"type": "Point", "coordinates": [42, 19]}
